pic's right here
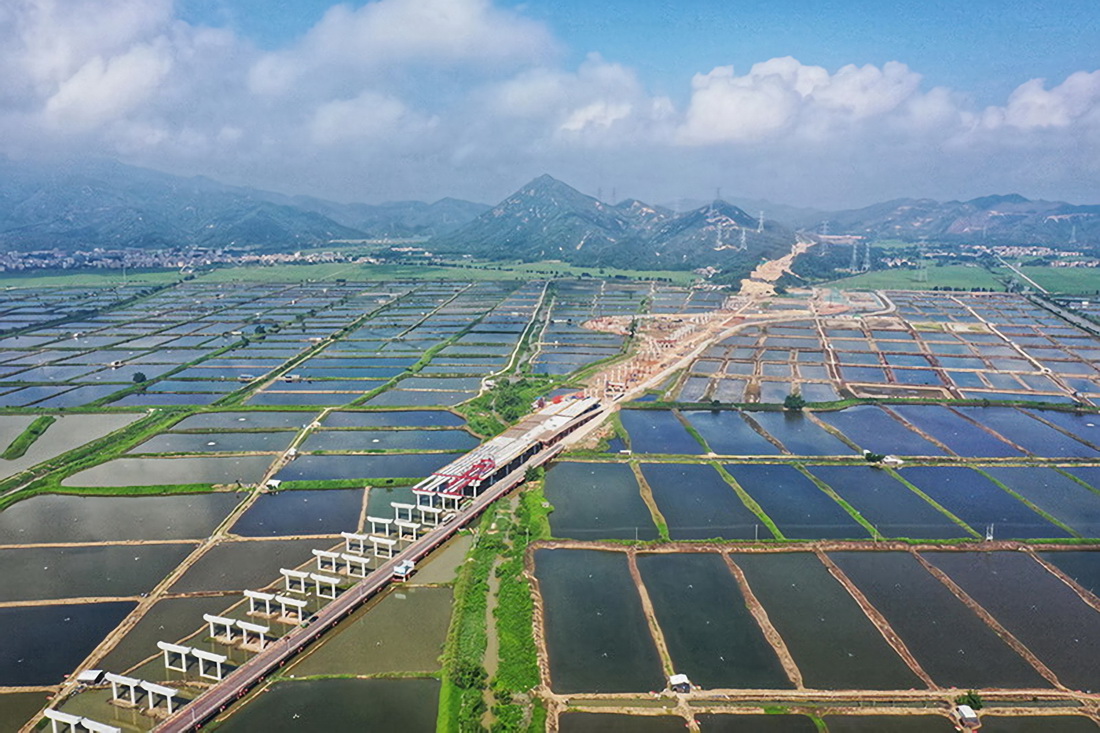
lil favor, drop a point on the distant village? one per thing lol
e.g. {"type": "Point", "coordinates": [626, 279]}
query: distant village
{"type": "Point", "coordinates": [171, 259]}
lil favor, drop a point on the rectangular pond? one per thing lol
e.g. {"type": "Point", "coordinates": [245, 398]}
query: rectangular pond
{"type": "Point", "coordinates": [50, 573]}
{"type": "Point", "coordinates": [953, 645]}
{"type": "Point", "coordinates": [1054, 493]}
{"type": "Point", "coordinates": [888, 504]}
{"type": "Point", "coordinates": [377, 440]}
{"type": "Point", "coordinates": [1036, 607]}
{"type": "Point", "coordinates": [236, 442]}
{"type": "Point", "coordinates": [796, 504]}
{"type": "Point", "coordinates": [658, 431]}
{"type": "Point", "coordinates": [326, 511]}
{"type": "Point", "coordinates": [833, 643]}
{"type": "Point", "coordinates": [873, 429]}
{"type": "Point", "coordinates": [251, 564]}
{"type": "Point", "coordinates": [67, 518]}
{"type": "Point", "coordinates": [711, 635]}
{"type": "Point", "coordinates": [727, 433]}
{"type": "Point", "coordinates": [698, 504]}
{"type": "Point", "coordinates": [1029, 433]}
{"type": "Point", "coordinates": [979, 502]}
{"type": "Point", "coordinates": [960, 435]}
{"type": "Point", "coordinates": [392, 419]}
{"type": "Point", "coordinates": [345, 467]}
{"type": "Point", "coordinates": [1083, 566]}
{"type": "Point", "coordinates": [596, 501]}
{"type": "Point", "coordinates": [597, 636]}
{"type": "Point", "coordinates": [171, 471]}
{"type": "Point", "coordinates": [800, 435]}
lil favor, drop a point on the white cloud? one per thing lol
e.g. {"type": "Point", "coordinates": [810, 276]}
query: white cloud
{"type": "Point", "coordinates": [385, 32]}
{"type": "Point", "coordinates": [367, 117]}
{"type": "Point", "coordinates": [1033, 106]}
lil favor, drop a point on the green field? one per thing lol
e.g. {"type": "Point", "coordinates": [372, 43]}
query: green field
{"type": "Point", "coordinates": [88, 279]}
{"type": "Point", "coordinates": [1065, 280]}
{"type": "Point", "coordinates": [946, 276]}
{"type": "Point", "coordinates": [464, 271]}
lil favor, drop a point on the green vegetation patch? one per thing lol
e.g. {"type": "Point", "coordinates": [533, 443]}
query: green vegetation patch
{"type": "Point", "coordinates": [26, 439]}
{"type": "Point", "coordinates": [956, 277]}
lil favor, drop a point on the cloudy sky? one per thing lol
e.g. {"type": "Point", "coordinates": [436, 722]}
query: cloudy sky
{"type": "Point", "coordinates": [813, 102]}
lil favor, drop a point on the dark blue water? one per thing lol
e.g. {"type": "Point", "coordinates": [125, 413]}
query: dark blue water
{"type": "Point", "coordinates": [597, 501]}
{"type": "Point", "coordinates": [658, 431]}
{"type": "Point", "coordinates": [327, 511]}
{"type": "Point", "coordinates": [711, 635]}
{"type": "Point", "coordinates": [888, 504]}
{"type": "Point", "coordinates": [957, 433]}
{"type": "Point", "coordinates": [1029, 433]}
{"type": "Point", "coordinates": [873, 429]}
{"type": "Point", "coordinates": [42, 644]}
{"type": "Point", "coordinates": [979, 502]}
{"type": "Point", "coordinates": [799, 434]}
{"type": "Point", "coordinates": [799, 508]}
{"type": "Point", "coordinates": [1054, 493]}
{"type": "Point", "coordinates": [1083, 566]}
{"type": "Point", "coordinates": [698, 504]}
{"type": "Point", "coordinates": [727, 433]}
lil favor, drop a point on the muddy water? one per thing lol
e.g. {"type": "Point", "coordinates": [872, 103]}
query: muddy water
{"type": "Point", "coordinates": [403, 632]}
{"type": "Point", "coordinates": [949, 640]}
{"type": "Point", "coordinates": [711, 635]}
{"type": "Point", "coordinates": [66, 518]}
{"type": "Point", "coordinates": [394, 419]}
{"type": "Point", "coordinates": [1036, 607]}
{"type": "Point", "coordinates": [406, 705]}
{"type": "Point", "coordinates": [39, 573]}
{"type": "Point", "coordinates": [43, 644]}
{"type": "Point", "coordinates": [442, 566]}
{"type": "Point", "coordinates": [597, 501]}
{"type": "Point", "coordinates": [327, 467]}
{"type": "Point", "coordinates": [70, 431]}
{"type": "Point", "coordinates": [326, 511]}
{"type": "Point", "coordinates": [16, 708]}
{"type": "Point", "coordinates": [832, 641]}
{"type": "Point", "coordinates": [596, 632]}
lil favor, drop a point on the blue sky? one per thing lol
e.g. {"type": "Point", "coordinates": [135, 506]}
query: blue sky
{"type": "Point", "coordinates": [820, 102]}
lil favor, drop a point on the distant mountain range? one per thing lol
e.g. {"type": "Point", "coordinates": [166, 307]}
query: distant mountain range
{"type": "Point", "coordinates": [547, 219]}
{"type": "Point", "coordinates": [110, 205]}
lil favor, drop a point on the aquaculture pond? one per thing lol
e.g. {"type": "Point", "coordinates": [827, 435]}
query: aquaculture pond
{"type": "Point", "coordinates": [755, 722]}
{"type": "Point", "coordinates": [70, 431]}
{"type": "Point", "coordinates": [953, 645]}
{"type": "Point", "coordinates": [658, 431]}
{"type": "Point", "coordinates": [800, 435]}
{"type": "Point", "coordinates": [49, 573]}
{"type": "Point", "coordinates": [1035, 606]}
{"type": "Point", "coordinates": [618, 723]}
{"type": "Point", "coordinates": [400, 634]}
{"type": "Point", "coordinates": [888, 504]}
{"type": "Point", "coordinates": [698, 504]}
{"type": "Point", "coordinates": [711, 635]}
{"type": "Point", "coordinates": [236, 442]}
{"type": "Point", "coordinates": [795, 503]}
{"type": "Point", "coordinates": [1083, 566]}
{"type": "Point", "coordinates": [324, 511]}
{"type": "Point", "coordinates": [1038, 724]}
{"type": "Point", "coordinates": [888, 724]}
{"type": "Point", "coordinates": [979, 502]}
{"type": "Point", "coordinates": [406, 705]}
{"type": "Point", "coordinates": [1054, 493]}
{"type": "Point", "coordinates": [393, 418]}
{"type": "Point", "coordinates": [727, 433]}
{"type": "Point", "coordinates": [597, 637]}
{"type": "Point", "coordinates": [833, 643]}
{"type": "Point", "coordinates": [377, 440]}
{"type": "Point", "coordinates": [956, 432]}
{"type": "Point", "coordinates": [43, 644]}
{"type": "Point", "coordinates": [1029, 433]}
{"type": "Point", "coordinates": [873, 429]}
{"type": "Point", "coordinates": [396, 465]}
{"type": "Point", "coordinates": [170, 619]}
{"type": "Point", "coordinates": [1083, 425]}
{"type": "Point", "coordinates": [169, 471]}
{"type": "Point", "coordinates": [251, 420]}
{"type": "Point", "coordinates": [69, 518]}
{"type": "Point", "coordinates": [597, 501]}
{"type": "Point", "coordinates": [245, 565]}
{"type": "Point", "coordinates": [16, 708]}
